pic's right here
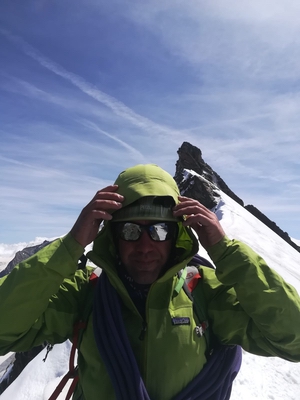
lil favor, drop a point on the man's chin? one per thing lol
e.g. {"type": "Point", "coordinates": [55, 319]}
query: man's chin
{"type": "Point", "coordinates": [145, 273]}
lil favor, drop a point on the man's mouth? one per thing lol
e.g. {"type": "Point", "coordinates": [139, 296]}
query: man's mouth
{"type": "Point", "coordinates": [144, 262]}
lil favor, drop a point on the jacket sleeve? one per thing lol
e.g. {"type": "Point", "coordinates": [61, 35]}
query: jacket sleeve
{"type": "Point", "coordinates": [250, 304]}
{"type": "Point", "coordinates": [39, 298]}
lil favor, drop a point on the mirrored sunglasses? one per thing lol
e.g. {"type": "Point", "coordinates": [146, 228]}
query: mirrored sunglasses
{"type": "Point", "coordinates": [159, 232]}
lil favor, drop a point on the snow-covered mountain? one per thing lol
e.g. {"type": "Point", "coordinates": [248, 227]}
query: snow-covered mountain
{"type": "Point", "coordinates": [8, 251]}
{"type": "Point", "coordinates": [260, 378]}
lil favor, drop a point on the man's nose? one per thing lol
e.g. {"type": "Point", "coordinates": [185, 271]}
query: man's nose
{"type": "Point", "coordinates": [145, 243]}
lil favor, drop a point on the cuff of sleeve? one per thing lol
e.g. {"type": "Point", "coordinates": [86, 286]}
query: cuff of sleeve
{"type": "Point", "coordinates": [74, 248]}
{"type": "Point", "coordinates": [217, 251]}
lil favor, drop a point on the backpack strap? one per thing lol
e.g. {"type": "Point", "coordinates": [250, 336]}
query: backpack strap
{"type": "Point", "coordinates": [62, 384]}
{"type": "Point", "coordinates": [78, 330]}
{"type": "Point", "coordinates": [192, 283]}
{"type": "Point", "coordinates": [82, 262]}
{"type": "Point", "coordinates": [200, 307]}
{"type": "Point", "coordinates": [73, 370]}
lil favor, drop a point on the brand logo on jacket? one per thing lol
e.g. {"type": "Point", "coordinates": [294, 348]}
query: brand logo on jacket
{"type": "Point", "coordinates": [181, 321]}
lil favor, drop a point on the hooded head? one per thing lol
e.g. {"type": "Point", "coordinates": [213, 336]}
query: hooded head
{"type": "Point", "coordinates": [149, 193]}
{"type": "Point", "coordinates": [147, 180]}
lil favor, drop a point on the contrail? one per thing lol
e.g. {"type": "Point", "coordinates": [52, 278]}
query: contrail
{"type": "Point", "coordinates": [131, 149]}
{"type": "Point", "coordinates": [113, 104]}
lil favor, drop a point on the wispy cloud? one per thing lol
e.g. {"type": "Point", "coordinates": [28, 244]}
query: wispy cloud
{"type": "Point", "coordinates": [137, 154]}
{"type": "Point", "coordinates": [113, 104]}
{"type": "Point", "coordinates": [252, 40]}
{"type": "Point", "coordinates": [221, 75]}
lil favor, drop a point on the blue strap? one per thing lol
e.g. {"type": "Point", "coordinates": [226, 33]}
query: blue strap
{"type": "Point", "coordinates": [113, 343]}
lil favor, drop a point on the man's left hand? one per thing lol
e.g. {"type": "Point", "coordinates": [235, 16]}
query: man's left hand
{"type": "Point", "coordinates": [204, 222]}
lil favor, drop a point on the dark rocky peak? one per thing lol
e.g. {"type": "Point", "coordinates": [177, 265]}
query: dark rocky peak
{"type": "Point", "coordinates": [197, 187]}
{"type": "Point", "coordinates": [204, 186]}
{"type": "Point", "coordinates": [23, 255]}
{"type": "Point", "coordinates": [190, 157]}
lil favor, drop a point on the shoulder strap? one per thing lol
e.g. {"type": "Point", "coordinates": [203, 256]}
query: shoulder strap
{"type": "Point", "coordinates": [82, 262]}
{"type": "Point", "coordinates": [199, 260]}
{"type": "Point", "coordinates": [78, 330]}
{"type": "Point", "coordinates": [193, 287]}
{"type": "Point", "coordinates": [86, 310]}
{"type": "Point", "coordinates": [200, 306]}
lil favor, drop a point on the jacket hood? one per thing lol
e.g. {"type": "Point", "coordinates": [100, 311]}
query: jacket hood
{"type": "Point", "coordinates": [146, 180]}
{"type": "Point", "coordinates": [134, 183]}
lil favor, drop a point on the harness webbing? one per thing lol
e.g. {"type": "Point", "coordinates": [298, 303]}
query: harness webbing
{"type": "Point", "coordinates": [78, 329]}
{"type": "Point", "coordinates": [73, 370]}
{"type": "Point", "coordinates": [181, 280]}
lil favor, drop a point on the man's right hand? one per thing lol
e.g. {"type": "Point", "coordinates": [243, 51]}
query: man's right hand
{"type": "Point", "coordinates": [99, 208]}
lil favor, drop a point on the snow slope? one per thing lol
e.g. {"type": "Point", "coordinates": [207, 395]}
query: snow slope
{"type": "Point", "coordinates": [260, 378]}
{"type": "Point", "coordinates": [296, 241]}
{"type": "Point", "coordinates": [263, 378]}
{"type": "Point", "coordinates": [39, 379]}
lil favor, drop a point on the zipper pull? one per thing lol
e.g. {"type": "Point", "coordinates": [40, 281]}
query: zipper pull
{"type": "Point", "coordinates": [143, 331]}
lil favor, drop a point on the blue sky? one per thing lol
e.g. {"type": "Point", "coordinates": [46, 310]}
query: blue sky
{"type": "Point", "coordinates": [88, 88]}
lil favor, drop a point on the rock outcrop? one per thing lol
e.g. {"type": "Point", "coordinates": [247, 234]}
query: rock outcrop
{"type": "Point", "coordinates": [203, 187]}
{"type": "Point", "coordinates": [190, 157]}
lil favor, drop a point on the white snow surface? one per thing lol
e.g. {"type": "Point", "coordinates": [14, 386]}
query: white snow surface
{"type": "Point", "coordinates": [39, 379]}
{"type": "Point", "coordinates": [296, 241]}
{"type": "Point", "coordinates": [260, 378]}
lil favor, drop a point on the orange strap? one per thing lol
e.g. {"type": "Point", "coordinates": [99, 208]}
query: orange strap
{"type": "Point", "coordinates": [73, 371]}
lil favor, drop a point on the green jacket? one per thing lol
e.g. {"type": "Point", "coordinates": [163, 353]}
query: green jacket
{"type": "Point", "coordinates": [247, 303]}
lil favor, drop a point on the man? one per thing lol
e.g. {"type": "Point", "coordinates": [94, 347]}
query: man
{"type": "Point", "coordinates": [145, 240]}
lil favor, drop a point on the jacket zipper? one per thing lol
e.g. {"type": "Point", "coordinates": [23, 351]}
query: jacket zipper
{"type": "Point", "coordinates": [143, 331]}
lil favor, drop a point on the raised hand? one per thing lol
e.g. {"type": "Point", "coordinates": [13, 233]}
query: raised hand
{"type": "Point", "coordinates": [204, 222]}
{"type": "Point", "coordinates": [98, 209]}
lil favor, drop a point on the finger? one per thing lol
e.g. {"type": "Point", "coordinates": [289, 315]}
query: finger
{"type": "Point", "coordinates": [100, 210]}
{"type": "Point", "coordinates": [100, 215]}
{"type": "Point", "coordinates": [106, 204]}
{"type": "Point", "coordinates": [109, 192]}
{"type": "Point", "coordinates": [192, 208]}
{"type": "Point", "coordinates": [183, 199]}
{"type": "Point", "coordinates": [106, 199]}
{"type": "Point", "coordinates": [189, 210]}
{"type": "Point", "coordinates": [186, 202]}
{"type": "Point", "coordinates": [196, 219]}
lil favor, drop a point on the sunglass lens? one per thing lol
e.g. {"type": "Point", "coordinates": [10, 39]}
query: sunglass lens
{"type": "Point", "coordinates": [159, 232]}
{"type": "Point", "coordinates": [130, 232]}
